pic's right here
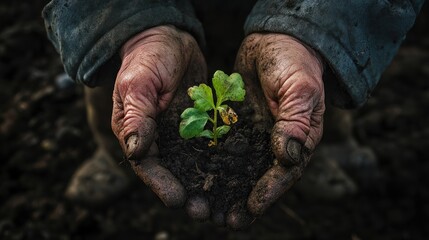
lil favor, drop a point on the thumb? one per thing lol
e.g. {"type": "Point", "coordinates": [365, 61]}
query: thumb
{"type": "Point", "coordinates": [298, 128]}
{"type": "Point", "coordinates": [289, 144]}
{"type": "Point", "coordinates": [133, 115]}
{"type": "Point", "coordinates": [138, 141]}
{"type": "Point", "coordinates": [299, 123]}
{"type": "Point", "coordinates": [298, 107]}
{"type": "Point", "coordinates": [294, 137]}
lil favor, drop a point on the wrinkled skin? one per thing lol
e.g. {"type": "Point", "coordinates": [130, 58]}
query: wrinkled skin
{"type": "Point", "coordinates": [155, 63]}
{"type": "Point", "coordinates": [163, 60]}
{"type": "Point", "coordinates": [288, 75]}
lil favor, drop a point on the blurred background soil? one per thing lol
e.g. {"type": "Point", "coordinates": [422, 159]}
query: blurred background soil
{"type": "Point", "coordinates": [44, 137]}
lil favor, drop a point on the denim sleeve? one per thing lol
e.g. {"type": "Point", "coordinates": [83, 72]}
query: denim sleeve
{"type": "Point", "coordinates": [358, 39]}
{"type": "Point", "coordinates": [89, 33]}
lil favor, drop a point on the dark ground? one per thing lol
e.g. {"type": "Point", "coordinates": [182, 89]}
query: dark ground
{"type": "Point", "coordinates": [44, 137]}
{"type": "Point", "coordinates": [224, 174]}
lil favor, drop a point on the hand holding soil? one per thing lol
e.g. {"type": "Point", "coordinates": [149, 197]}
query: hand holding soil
{"type": "Point", "coordinates": [290, 77]}
{"type": "Point", "coordinates": [237, 180]}
{"type": "Point", "coordinates": [161, 61]}
{"type": "Point", "coordinates": [154, 63]}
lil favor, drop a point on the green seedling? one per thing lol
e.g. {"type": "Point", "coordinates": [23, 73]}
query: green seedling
{"type": "Point", "coordinates": [194, 120]}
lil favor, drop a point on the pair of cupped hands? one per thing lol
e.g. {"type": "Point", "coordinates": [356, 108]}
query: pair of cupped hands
{"type": "Point", "coordinates": [281, 75]}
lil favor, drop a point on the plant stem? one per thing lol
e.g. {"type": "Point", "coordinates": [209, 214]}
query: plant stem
{"type": "Point", "coordinates": [215, 126]}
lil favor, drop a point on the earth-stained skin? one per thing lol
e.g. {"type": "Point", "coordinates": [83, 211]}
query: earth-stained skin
{"type": "Point", "coordinates": [155, 62]}
{"type": "Point", "coordinates": [288, 75]}
{"type": "Point", "coordinates": [277, 68]}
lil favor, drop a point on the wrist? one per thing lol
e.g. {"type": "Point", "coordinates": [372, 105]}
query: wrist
{"type": "Point", "coordinates": [300, 57]}
{"type": "Point", "coordinates": [315, 57]}
{"type": "Point", "coordinates": [299, 54]}
{"type": "Point", "coordinates": [158, 33]}
{"type": "Point", "coordinates": [166, 36]}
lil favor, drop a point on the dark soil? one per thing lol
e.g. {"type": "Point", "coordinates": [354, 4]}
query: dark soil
{"type": "Point", "coordinates": [44, 137]}
{"type": "Point", "coordinates": [224, 174]}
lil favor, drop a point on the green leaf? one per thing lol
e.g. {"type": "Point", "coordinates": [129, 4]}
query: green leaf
{"type": "Point", "coordinates": [203, 97]}
{"type": "Point", "coordinates": [228, 87]}
{"type": "Point", "coordinates": [206, 133]}
{"type": "Point", "coordinates": [193, 122]}
{"type": "Point", "coordinates": [222, 130]}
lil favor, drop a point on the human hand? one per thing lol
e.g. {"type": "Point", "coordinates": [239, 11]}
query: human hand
{"type": "Point", "coordinates": [288, 75]}
{"type": "Point", "coordinates": [154, 63]}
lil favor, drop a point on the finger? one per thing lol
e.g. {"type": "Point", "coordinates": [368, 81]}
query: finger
{"type": "Point", "coordinates": [133, 116]}
{"type": "Point", "coordinates": [276, 181]}
{"type": "Point", "coordinates": [288, 144]}
{"type": "Point", "coordinates": [198, 208]}
{"type": "Point", "coordinates": [238, 217]}
{"type": "Point", "coordinates": [162, 182]}
{"type": "Point", "coordinates": [138, 141]}
{"type": "Point", "coordinates": [297, 131]}
{"type": "Point", "coordinates": [299, 120]}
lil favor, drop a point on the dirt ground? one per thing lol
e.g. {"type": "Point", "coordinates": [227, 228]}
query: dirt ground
{"type": "Point", "coordinates": [44, 137]}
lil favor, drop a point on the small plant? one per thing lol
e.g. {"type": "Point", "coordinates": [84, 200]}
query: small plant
{"type": "Point", "coordinates": [227, 88]}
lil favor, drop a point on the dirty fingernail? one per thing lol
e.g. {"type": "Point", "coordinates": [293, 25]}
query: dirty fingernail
{"type": "Point", "coordinates": [293, 149]}
{"type": "Point", "coordinates": [131, 144]}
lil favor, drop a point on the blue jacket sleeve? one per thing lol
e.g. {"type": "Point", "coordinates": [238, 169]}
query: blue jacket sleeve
{"type": "Point", "coordinates": [89, 33]}
{"type": "Point", "coordinates": [358, 39]}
